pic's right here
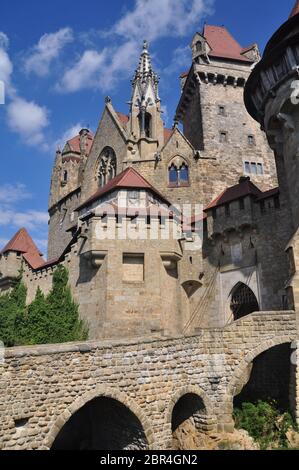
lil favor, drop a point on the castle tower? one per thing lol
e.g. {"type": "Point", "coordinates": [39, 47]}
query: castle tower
{"type": "Point", "coordinates": [146, 125]}
{"type": "Point", "coordinates": [66, 180]}
{"type": "Point", "coordinates": [213, 114]}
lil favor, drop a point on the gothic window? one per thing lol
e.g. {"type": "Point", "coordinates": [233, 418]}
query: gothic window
{"type": "Point", "coordinates": [243, 301]}
{"type": "Point", "coordinates": [178, 173]}
{"type": "Point", "coordinates": [148, 125]}
{"type": "Point", "coordinates": [65, 176]}
{"type": "Point", "coordinates": [107, 166]}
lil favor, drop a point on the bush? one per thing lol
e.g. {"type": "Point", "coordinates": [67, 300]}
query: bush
{"type": "Point", "coordinates": [265, 423]}
{"type": "Point", "coordinates": [51, 319]}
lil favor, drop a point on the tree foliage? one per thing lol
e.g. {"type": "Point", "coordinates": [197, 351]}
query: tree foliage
{"type": "Point", "coordinates": [48, 319]}
{"type": "Point", "coordinates": [265, 423]}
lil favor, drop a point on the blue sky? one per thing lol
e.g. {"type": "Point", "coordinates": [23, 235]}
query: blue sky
{"type": "Point", "coordinates": [60, 59]}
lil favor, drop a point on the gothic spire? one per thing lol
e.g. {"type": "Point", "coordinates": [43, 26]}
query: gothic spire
{"type": "Point", "coordinates": [145, 76]}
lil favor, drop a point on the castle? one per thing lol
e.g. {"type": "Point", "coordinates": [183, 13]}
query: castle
{"type": "Point", "coordinates": [174, 233]}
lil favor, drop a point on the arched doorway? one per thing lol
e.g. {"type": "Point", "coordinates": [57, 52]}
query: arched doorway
{"type": "Point", "coordinates": [268, 378]}
{"type": "Point", "coordinates": [188, 422]}
{"type": "Point", "coordinates": [243, 301]}
{"type": "Point", "coordinates": [102, 424]}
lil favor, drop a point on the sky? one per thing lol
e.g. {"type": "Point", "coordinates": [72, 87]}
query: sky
{"type": "Point", "coordinates": [59, 59]}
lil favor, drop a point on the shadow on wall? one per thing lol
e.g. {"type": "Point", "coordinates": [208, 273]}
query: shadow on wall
{"type": "Point", "coordinates": [102, 424]}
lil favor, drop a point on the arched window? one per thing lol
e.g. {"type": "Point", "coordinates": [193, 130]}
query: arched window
{"type": "Point", "coordinates": [65, 176]}
{"type": "Point", "coordinates": [107, 166]}
{"type": "Point", "coordinates": [243, 301]}
{"type": "Point", "coordinates": [146, 125]}
{"type": "Point", "coordinates": [178, 172]}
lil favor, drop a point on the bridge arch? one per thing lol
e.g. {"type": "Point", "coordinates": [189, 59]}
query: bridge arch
{"type": "Point", "coordinates": [187, 390]}
{"type": "Point", "coordinates": [253, 354]}
{"type": "Point", "coordinates": [106, 393]}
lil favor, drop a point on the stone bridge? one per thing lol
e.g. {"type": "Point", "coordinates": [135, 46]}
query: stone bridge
{"type": "Point", "coordinates": [133, 394]}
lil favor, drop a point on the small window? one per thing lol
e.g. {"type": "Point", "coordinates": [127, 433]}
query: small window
{"type": "Point", "coordinates": [241, 204]}
{"type": "Point", "coordinates": [198, 46]}
{"type": "Point", "coordinates": [253, 168]}
{"type": "Point", "coordinates": [227, 210]}
{"type": "Point", "coordinates": [247, 167]}
{"type": "Point", "coordinates": [260, 169]}
{"type": "Point", "coordinates": [173, 175]}
{"type": "Point", "coordinates": [263, 208]}
{"type": "Point", "coordinates": [214, 213]}
{"type": "Point", "coordinates": [184, 174]}
{"type": "Point", "coordinates": [221, 110]}
{"type": "Point", "coordinates": [223, 137]}
{"type": "Point", "coordinates": [65, 176]}
{"type": "Point", "coordinates": [251, 140]}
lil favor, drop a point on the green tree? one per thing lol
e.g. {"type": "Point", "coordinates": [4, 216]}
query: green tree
{"type": "Point", "coordinates": [51, 319]}
{"type": "Point", "coordinates": [12, 306]}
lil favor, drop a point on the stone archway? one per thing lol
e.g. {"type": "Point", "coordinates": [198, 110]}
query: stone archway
{"type": "Point", "coordinates": [189, 417]}
{"type": "Point", "coordinates": [271, 361]}
{"type": "Point", "coordinates": [106, 420]}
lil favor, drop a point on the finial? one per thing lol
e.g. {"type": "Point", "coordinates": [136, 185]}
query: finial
{"type": "Point", "coordinates": [108, 99]}
{"type": "Point", "coordinates": [145, 45]}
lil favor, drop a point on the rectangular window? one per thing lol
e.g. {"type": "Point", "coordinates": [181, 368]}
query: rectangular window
{"type": "Point", "coordinates": [214, 213]}
{"type": "Point", "coordinates": [227, 210]}
{"type": "Point", "coordinates": [221, 110]}
{"type": "Point", "coordinates": [260, 169]}
{"type": "Point", "coordinates": [241, 204]}
{"type": "Point", "coordinates": [133, 267]}
{"type": "Point", "coordinates": [247, 167]}
{"type": "Point", "coordinates": [253, 168]}
{"type": "Point", "coordinates": [251, 140]}
{"type": "Point", "coordinates": [223, 137]}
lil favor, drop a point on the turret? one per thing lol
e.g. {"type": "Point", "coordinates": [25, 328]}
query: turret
{"type": "Point", "coordinates": [146, 124]}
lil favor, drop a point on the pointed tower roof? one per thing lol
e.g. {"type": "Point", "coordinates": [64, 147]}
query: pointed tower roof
{"type": "Point", "coordinates": [23, 243]}
{"type": "Point", "coordinates": [295, 9]}
{"type": "Point", "coordinates": [223, 44]}
{"type": "Point", "coordinates": [145, 73]}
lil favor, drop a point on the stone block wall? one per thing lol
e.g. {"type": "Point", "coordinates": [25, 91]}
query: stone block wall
{"type": "Point", "coordinates": [42, 387]}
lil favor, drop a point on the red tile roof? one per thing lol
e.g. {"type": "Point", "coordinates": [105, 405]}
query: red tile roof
{"type": "Point", "coordinates": [129, 178]}
{"type": "Point", "coordinates": [295, 9]}
{"type": "Point", "coordinates": [23, 243]}
{"type": "Point", "coordinates": [223, 44]}
{"type": "Point", "coordinates": [167, 134]}
{"type": "Point", "coordinates": [245, 188]}
{"type": "Point", "coordinates": [124, 119]}
{"type": "Point", "coordinates": [74, 143]}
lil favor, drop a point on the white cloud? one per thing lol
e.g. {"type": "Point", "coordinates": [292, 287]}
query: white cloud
{"type": "Point", "coordinates": [30, 219]}
{"type": "Point", "coordinates": [4, 41]}
{"type": "Point", "coordinates": [68, 134]}
{"type": "Point", "coordinates": [181, 60]}
{"type": "Point", "coordinates": [11, 193]}
{"type": "Point", "coordinates": [28, 119]}
{"type": "Point", "coordinates": [153, 19]}
{"type": "Point", "coordinates": [48, 49]}
{"type": "Point", "coordinates": [149, 19]}
{"type": "Point", "coordinates": [85, 73]}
